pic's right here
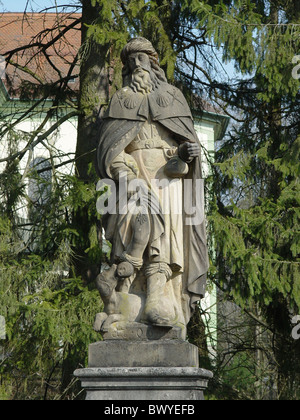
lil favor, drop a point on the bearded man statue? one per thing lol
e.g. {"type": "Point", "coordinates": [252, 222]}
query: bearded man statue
{"type": "Point", "coordinates": [159, 258]}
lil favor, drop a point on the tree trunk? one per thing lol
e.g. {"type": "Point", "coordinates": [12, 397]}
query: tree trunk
{"type": "Point", "coordinates": [94, 85]}
{"type": "Point", "coordinates": [94, 92]}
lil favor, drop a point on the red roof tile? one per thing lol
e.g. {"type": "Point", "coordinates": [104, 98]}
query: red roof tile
{"type": "Point", "coordinates": [50, 47]}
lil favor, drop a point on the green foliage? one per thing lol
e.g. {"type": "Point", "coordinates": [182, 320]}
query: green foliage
{"type": "Point", "coordinates": [49, 313]}
{"type": "Point", "coordinates": [257, 231]}
{"type": "Point", "coordinates": [117, 21]}
{"type": "Point", "coordinates": [255, 215]}
{"type": "Point", "coordinates": [108, 27]}
{"type": "Point", "coordinates": [260, 243]}
{"type": "Point", "coordinates": [257, 46]}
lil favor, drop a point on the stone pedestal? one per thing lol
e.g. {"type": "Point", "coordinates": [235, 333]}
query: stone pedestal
{"type": "Point", "coordinates": [144, 383]}
{"type": "Point", "coordinates": [136, 368]}
{"type": "Point", "coordinates": [158, 353]}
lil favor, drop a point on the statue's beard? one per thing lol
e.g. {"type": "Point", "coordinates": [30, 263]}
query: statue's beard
{"type": "Point", "coordinates": [141, 81]}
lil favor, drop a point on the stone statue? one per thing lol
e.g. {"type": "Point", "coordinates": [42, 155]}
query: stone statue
{"type": "Point", "coordinates": [159, 257]}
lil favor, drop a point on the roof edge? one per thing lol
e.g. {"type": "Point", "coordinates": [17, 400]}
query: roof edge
{"type": "Point", "coordinates": [221, 120]}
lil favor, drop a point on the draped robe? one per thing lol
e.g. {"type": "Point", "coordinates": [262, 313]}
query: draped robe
{"type": "Point", "coordinates": [125, 121]}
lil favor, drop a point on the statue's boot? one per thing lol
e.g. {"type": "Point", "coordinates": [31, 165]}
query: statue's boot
{"type": "Point", "coordinates": [159, 309]}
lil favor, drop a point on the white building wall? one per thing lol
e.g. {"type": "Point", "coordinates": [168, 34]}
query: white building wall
{"type": "Point", "coordinates": [206, 132]}
{"type": "Point", "coordinates": [58, 148]}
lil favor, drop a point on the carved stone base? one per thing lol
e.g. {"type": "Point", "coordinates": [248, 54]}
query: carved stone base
{"type": "Point", "coordinates": [144, 384]}
{"type": "Point", "coordinates": [136, 331]}
{"type": "Point", "coordinates": [143, 362]}
{"type": "Point", "coordinates": [157, 353]}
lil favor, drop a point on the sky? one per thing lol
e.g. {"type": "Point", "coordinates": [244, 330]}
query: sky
{"type": "Point", "coordinates": [32, 5]}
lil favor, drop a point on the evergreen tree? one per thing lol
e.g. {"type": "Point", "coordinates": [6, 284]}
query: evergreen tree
{"type": "Point", "coordinates": [255, 217]}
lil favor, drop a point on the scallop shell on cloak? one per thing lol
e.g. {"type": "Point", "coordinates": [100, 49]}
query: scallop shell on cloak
{"type": "Point", "coordinates": [131, 102]}
{"type": "Point", "coordinates": [163, 101]}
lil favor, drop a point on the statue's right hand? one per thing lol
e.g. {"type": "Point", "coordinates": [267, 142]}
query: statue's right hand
{"type": "Point", "coordinates": [188, 151]}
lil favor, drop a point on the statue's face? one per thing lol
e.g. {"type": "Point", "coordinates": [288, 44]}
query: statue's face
{"type": "Point", "coordinates": [139, 60]}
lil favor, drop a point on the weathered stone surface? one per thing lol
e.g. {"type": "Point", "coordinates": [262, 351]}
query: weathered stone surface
{"type": "Point", "coordinates": [147, 145]}
{"type": "Point", "coordinates": [136, 331]}
{"type": "Point", "coordinates": [160, 353]}
{"type": "Point", "coordinates": [144, 384]}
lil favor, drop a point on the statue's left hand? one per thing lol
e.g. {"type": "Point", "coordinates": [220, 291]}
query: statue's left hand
{"type": "Point", "coordinates": [188, 151]}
